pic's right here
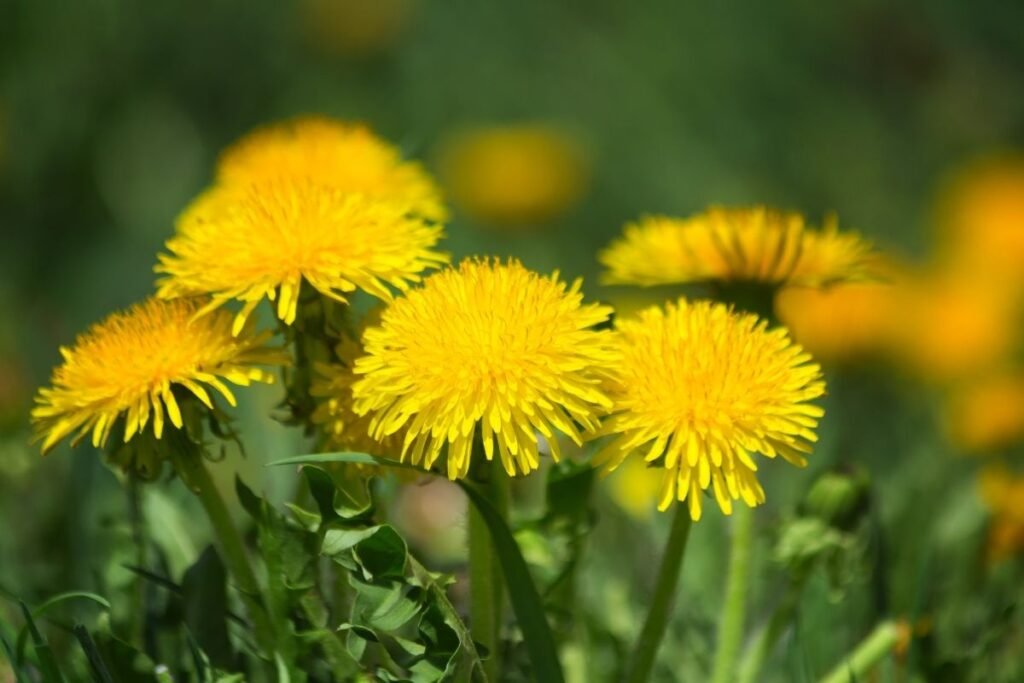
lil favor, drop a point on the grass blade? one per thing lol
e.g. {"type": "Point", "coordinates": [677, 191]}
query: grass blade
{"type": "Point", "coordinates": [47, 662]}
{"type": "Point", "coordinates": [526, 601]}
{"type": "Point", "coordinates": [100, 674]}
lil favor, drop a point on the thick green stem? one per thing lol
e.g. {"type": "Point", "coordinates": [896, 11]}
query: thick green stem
{"type": "Point", "coordinates": [487, 585]}
{"type": "Point", "coordinates": [646, 648]}
{"type": "Point", "coordinates": [192, 470]}
{"type": "Point", "coordinates": [870, 652]}
{"type": "Point", "coordinates": [765, 640]}
{"type": "Point", "coordinates": [730, 627]}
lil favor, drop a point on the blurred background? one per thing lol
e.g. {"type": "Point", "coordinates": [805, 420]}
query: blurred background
{"type": "Point", "coordinates": [550, 124]}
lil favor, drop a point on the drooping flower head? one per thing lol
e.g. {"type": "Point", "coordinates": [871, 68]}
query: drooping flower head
{"type": "Point", "coordinates": [262, 239]}
{"type": "Point", "coordinates": [344, 156]}
{"type": "Point", "coordinates": [489, 344]}
{"type": "Point", "coordinates": [700, 390]}
{"type": "Point", "coordinates": [130, 364]}
{"type": "Point", "coordinates": [735, 245]}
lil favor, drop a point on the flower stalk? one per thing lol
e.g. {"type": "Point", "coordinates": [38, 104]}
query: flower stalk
{"type": "Point", "coordinates": [485, 577]}
{"type": "Point", "coordinates": [646, 648]}
{"type": "Point", "coordinates": [867, 655]}
{"type": "Point", "coordinates": [734, 609]}
{"type": "Point", "coordinates": [188, 462]}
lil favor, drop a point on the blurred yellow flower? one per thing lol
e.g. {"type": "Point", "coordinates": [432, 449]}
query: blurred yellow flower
{"type": "Point", "coordinates": [133, 363]}
{"type": "Point", "coordinates": [950, 325]}
{"type": "Point", "coordinates": [344, 156]}
{"type": "Point", "coordinates": [838, 323]}
{"type": "Point", "coordinates": [356, 28]}
{"type": "Point", "coordinates": [982, 213]}
{"type": "Point", "coordinates": [729, 244]}
{"type": "Point", "coordinates": [699, 390]}
{"type": "Point", "coordinates": [487, 344]}
{"type": "Point", "coordinates": [1002, 491]}
{"type": "Point", "coordinates": [523, 175]}
{"type": "Point", "coordinates": [262, 239]}
{"type": "Point", "coordinates": [634, 485]}
{"type": "Point", "coordinates": [988, 414]}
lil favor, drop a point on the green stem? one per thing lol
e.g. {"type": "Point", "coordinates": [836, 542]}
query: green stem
{"type": "Point", "coordinates": [646, 648]}
{"type": "Point", "coordinates": [870, 652]}
{"type": "Point", "coordinates": [730, 627]}
{"type": "Point", "coordinates": [762, 646]}
{"type": "Point", "coordinates": [485, 579]}
{"type": "Point", "coordinates": [194, 473]}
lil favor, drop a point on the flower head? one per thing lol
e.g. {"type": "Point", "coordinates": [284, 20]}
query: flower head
{"type": "Point", "coordinates": [523, 174]}
{"type": "Point", "coordinates": [699, 390]}
{"type": "Point", "coordinates": [486, 344]}
{"type": "Point", "coordinates": [131, 365]}
{"type": "Point", "coordinates": [758, 244]}
{"type": "Point", "coordinates": [344, 156]}
{"type": "Point", "coordinates": [260, 240]}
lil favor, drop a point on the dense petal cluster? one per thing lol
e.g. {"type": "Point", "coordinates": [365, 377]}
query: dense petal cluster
{"type": "Point", "coordinates": [699, 390]}
{"type": "Point", "coordinates": [345, 156]}
{"type": "Point", "coordinates": [490, 344]}
{"type": "Point", "coordinates": [725, 244]}
{"type": "Point", "coordinates": [260, 240]}
{"type": "Point", "coordinates": [130, 364]}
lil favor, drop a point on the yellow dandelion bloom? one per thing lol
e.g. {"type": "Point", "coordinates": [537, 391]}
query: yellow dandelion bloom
{"type": "Point", "coordinates": [131, 364]}
{"type": "Point", "coordinates": [987, 414]}
{"type": "Point", "coordinates": [263, 239]}
{"type": "Point", "coordinates": [699, 390]}
{"type": "Point", "coordinates": [344, 156]}
{"type": "Point", "coordinates": [726, 244]}
{"type": "Point", "coordinates": [486, 344]}
{"type": "Point", "coordinates": [1002, 492]}
{"type": "Point", "coordinates": [523, 174]}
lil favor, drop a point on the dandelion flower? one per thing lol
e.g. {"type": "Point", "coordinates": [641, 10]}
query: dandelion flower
{"type": "Point", "coordinates": [523, 174]}
{"type": "Point", "coordinates": [699, 390]}
{"type": "Point", "coordinates": [133, 363]}
{"type": "Point", "coordinates": [263, 239]}
{"type": "Point", "coordinates": [345, 156]}
{"type": "Point", "coordinates": [486, 344]}
{"type": "Point", "coordinates": [758, 245]}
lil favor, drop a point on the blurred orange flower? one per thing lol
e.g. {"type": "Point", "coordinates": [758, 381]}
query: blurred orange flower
{"type": "Point", "coordinates": [1002, 491]}
{"type": "Point", "coordinates": [838, 323]}
{"type": "Point", "coordinates": [988, 414]}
